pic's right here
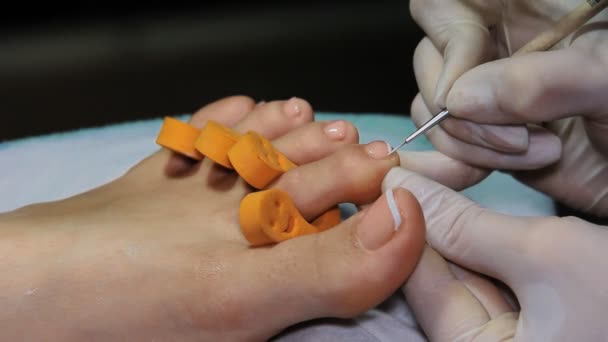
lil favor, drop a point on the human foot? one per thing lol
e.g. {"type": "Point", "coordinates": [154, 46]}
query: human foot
{"type": "Point", "coordinates": [152, 256]}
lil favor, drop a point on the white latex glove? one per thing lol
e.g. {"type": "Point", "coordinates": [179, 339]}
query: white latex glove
{"type": "Point", "coordinates": [459, 66]}
{"type": "Point", "coordinates": [557, 269]}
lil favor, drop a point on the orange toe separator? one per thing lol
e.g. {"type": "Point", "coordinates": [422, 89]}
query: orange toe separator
{"type": "Point", "coordinates": [215, 141]}
{"type": "Point", "coordinates": [270, 216]}
{"type": "Point", "coordinates": [179, 137]}
{"type": "Point", "coordinates": [257, 161]}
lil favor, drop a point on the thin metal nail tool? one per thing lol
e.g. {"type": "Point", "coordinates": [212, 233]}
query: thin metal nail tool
{"type": "Point", "coordinates": [545, 41]}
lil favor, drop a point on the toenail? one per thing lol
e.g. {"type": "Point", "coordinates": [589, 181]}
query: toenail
{"type": "Point", "coordinates": [378, 149]}
{"type": "Point", "coordinates": [336, 130]}
{"type": "Point", "coordinates": [392, 206]}
{"type": "Point", "coordinates": [293, 107]}
{"type": "Point", "coordinates": [375, 230]}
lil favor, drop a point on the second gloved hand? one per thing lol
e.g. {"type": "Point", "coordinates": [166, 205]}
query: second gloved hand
{"type": "Point", "coordinates": [556, 267]}
{"type": "Point", "coordinates": [561, 92]}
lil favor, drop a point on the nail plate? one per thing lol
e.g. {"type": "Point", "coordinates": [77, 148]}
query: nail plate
{"type": "Point", "coordinates": [378, 149]}
{"type": "Point", "coordinates": [380, 222]}
{"type": "Point", "coordinates": [336, 130]}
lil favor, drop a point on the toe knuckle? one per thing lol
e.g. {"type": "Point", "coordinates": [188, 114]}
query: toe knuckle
{"type": "Point", "coordinates": [292, 180]}
{"type": "Point", "coordinates": [346, 157]}
{"type": "Point", "coordinates": [351, 166]}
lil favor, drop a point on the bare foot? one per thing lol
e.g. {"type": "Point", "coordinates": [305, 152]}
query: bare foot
{"type": "Point", "coordinates": [158, 253]}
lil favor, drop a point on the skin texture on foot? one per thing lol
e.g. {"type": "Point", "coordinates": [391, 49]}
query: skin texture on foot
{"type": "Point", "coordinates": [158, 253]}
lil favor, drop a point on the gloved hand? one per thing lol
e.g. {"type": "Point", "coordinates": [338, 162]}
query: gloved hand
{"type": "Point", "coordinates": [556, 268]}
{"type": "Point", "coordinates": [562, 92]}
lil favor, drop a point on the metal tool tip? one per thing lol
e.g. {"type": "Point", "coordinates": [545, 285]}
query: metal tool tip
{"type": "Point", "coordinates": [396, 148]}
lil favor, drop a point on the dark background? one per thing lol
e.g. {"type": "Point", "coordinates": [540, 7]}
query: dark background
{"type": "Point", "coordinates": [97, 62]}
